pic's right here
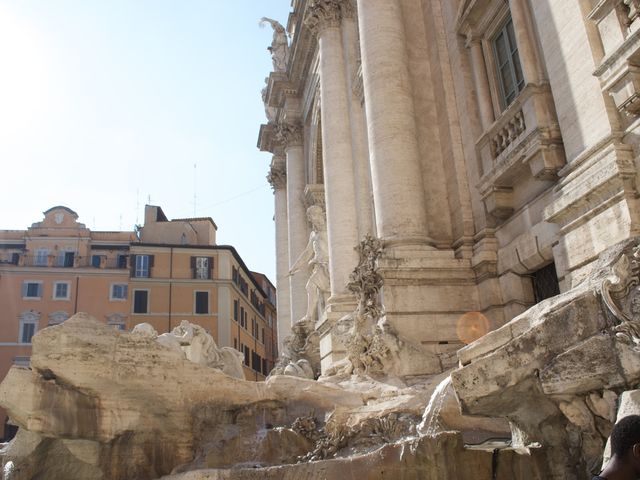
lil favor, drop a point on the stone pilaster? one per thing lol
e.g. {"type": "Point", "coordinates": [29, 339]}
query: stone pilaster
{"type": "Point", "coordinates": [291, 137]}
{"type": "Point", "coordinates": [481, 81]}
{"type": "Point", "coordinates": [277, 177]}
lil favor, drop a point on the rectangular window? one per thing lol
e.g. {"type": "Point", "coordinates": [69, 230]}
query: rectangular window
{"type": "Point", "coordinates": [61, 290]}
{"type": "Point", "coordinates": [202, 303]}
{"type": "Point", "coordinates": [95, 261]}
{"type": "Point", "coordinates": [65, 259]}
{"type": "Point", "coordinates": [42, 257]}
{"type": "Point", "coordinates": [140, 301]}
{"type": "Point", "coordinates": [246, 355]}
{"type": "Point", "coordinates": [122, 261]}
{"type": "Point", "coordinates": [142, 266]}
{"type": "Point", "coordinates": [27, 331]}
{"type": "Point", "coordinates": [242, 321]}
{"type": "Point", "coordinates": [509, 72]}
{"type": "Point", "coordinates": [545, 283]}
{"type": "Point", "coordinates": [201, 267]}
{"type": "Point", "coordinates": [119, 291]}
{"type": "Point", "coordinates": [235, 343]}
{"type": "Point", "coordinates": [235, 310]}
{"type": "Point", "coordinates": [32, 290]}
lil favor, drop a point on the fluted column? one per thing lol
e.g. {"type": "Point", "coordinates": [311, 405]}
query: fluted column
{"type": "Point", "coordinates": [398, 188]}
{"type": "Point", "coordinates": [482, 82]}
{"type": "Point", "coordinates": [278, 179]}
{"type": "Point", "coordinates": [291, 135]}
{"type": "Point", "coordinates": [323, 18]}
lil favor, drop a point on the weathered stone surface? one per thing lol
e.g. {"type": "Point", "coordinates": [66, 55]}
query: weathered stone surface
{"type": "Point", "coordinates": [557, 379]}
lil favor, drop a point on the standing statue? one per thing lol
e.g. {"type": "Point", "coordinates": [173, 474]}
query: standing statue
{"type": "Point", "coordinates": [316, 256]}
{"type": "Point", "coordinates": [279, 48]}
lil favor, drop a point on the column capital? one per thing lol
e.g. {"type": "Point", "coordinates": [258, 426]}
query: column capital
{"type": "Point", "coordinates": [289, 134]}
{"type": "Point", "coordinates": [277, 177]}
{"type": "Point", "coordinates": [323, 14]}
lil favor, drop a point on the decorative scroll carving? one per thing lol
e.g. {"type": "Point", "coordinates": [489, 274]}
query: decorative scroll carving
{"type": "Point", "coordinates": [323, 14]}
{"type": "Point", "coordinates": [621, 296]}
{"type": "Point", "coordinates": [289, 134]}
{"type": "Point", "coordinates": [279, 48]}
{"type": "Point", "coordinates": [277, 177]}
{"type": "Point", "coordinates": [634, 9]}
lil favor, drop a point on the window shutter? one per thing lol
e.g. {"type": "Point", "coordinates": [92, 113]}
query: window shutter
{"type": "Point", "coordinates": [132, 264]}
{"type": "Point", "coordinates": [151, 261]}
{"type": "Point", "coordinates": [210, 267]}
{"type": "Point", "coordinates": [193, 262]}
{"type": "Point", "coordinates": [24, 289]}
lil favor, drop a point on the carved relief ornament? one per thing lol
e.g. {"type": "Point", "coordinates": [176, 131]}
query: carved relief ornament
{"type": "Point", "coordinates": [323, 14]}
{"type": "Point", "coordinates": [289, 134]}
{"type": "Point", "coordinates": [277, 177]}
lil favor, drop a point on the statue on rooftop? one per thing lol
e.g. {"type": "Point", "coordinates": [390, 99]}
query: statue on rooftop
{"type": "Point", "coordinates": [279, 48]}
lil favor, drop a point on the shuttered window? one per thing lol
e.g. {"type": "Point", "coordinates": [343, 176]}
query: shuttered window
{"type": "Point", "coordinates": [140, 301]}
{"type": "Point", "coordinates": [202, 303]}
{"type": "Point", "coordinates": [510, 75]}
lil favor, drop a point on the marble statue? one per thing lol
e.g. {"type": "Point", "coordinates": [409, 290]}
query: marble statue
{"type": "Point", "coordinates": [279, 48]}
{"type": "Point", "coordinates": [316, 257]}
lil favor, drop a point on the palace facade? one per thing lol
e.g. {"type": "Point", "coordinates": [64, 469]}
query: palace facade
{"type": "Point", "coordinates": [491, 145]}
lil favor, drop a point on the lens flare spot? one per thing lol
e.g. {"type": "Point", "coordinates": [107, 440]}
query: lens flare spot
{"type": "Point", "coordinates": [471, 326]}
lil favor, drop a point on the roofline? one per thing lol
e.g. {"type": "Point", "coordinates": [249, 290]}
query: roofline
{"type": "Point", "coordinates": [63, 207]}
{"type": "Point", "coordinates": [196, 219]}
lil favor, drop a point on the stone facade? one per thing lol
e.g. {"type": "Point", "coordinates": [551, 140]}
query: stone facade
{"type": "Point", "coordinates": [490, 145]}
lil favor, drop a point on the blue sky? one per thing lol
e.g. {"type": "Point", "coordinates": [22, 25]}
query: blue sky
{"type": "Point", "coordinates": [107, 103]}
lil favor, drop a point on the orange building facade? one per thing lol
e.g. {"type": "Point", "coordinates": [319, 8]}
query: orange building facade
{"type": "Point", "coordinates": [168, 271]}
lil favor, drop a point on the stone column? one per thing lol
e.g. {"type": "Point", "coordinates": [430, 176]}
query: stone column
{"type": "Point", "coordinates": [278, 179]}
{"type": "Point", "coordinates": [522, 23]}
{"type": "Point", "coordinates": [291, 136]}
{"type": "Point", "coordinates": [361, 168]}
{"type": "Point", "coordinates": [481, 81]}
{"type": "Point", "coordinates": [398, 188]}
{"type": "Point", "coordinates": [323, 18]}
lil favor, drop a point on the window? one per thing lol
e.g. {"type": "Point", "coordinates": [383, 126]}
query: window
{"type": "Point", "coordinates": [545, 283]}
{"type": "Point", "coordinates": [95, 261]}
{"type": "Point", "coordinates": [61, 291]}
{"type": "Point", "coordinates": [28, 327]}
{"type": "Point", "coordinates": [508, 64]}
{"type": "Point", "coordinates": [235, 310]}
{"type": "Point", "coordinates": [42, 257]}
{"type": "Point", "coordinates": [140, 301]}
{"type": "Point", "coordinates": [32, 290]}
{"type": "Point", "coordinates": [143, 264]}
{"type": "Point", "coordinates": [118, 291]}
{"type": "Point", "coordinates": [122, 261]}
{"type": "Point", "coordinates": [65, 259]}
{"type": "Point", "coordinates": [201, 267]}
{"type": "Point", "coordinates": [235, 343]}
{"type": "Point", "coordinates": [202, 303]}
{"type": "Point", "coordinates": [247, 355]}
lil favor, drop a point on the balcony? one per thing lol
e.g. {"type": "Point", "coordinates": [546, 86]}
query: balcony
{"type": "Point", "coordinates": [524, 142]}
{"type": "Point", "coordinates": [52, 261]}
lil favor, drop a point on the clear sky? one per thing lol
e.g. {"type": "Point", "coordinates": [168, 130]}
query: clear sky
{"type": "Point", "coordinates": [107, 103]}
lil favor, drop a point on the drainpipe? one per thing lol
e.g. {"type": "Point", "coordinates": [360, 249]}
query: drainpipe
{"type": "Point", "coordinates": [170, 283]}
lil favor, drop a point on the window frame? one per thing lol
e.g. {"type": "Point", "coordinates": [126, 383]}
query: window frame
{"type": "Point", "coordinates": [503, 30]}
{"type": "Point", "coordinates": [195, 302]}
{"type": "Point", "coordinates": [41, 258]}
{"type": "Point", "coordinates": [25, 289]}
{"type": "Point", "coordinates": [113, 298]}
{"type": "Point", "coordinates": [54, 293]}
{"type": "Point", "coordinates": [140, 270]}
{"type": "Point", "coordinates": [21, 332]}
{"type": "Point", "coordinates": [133, 301]}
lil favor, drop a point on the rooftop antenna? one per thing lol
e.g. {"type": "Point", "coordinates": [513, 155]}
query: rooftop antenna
{"type": "Point", "coordinates": [137, 206]}
{"type": "Point", "coordinates": [195, 198]}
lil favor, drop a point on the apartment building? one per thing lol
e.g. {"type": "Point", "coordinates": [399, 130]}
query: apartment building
{"type": "Point", "coordinates": [165, 272]}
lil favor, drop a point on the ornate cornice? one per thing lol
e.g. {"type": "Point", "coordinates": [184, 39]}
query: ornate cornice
{"type": "Point", "coordinates": [289, 134]}
{"type": "Point", "coordinates": [323, 14]}
{"type": "Point", "coordinates": [277, 177]}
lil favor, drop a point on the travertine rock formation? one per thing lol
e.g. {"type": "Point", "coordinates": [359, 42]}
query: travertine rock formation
{"type": "Point", "coordinates": [557, 370]}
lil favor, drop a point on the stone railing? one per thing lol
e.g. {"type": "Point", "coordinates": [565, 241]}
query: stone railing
{"type": "Point", "coordinates": [525, 137]}
{"type": "Point", "coordinates": [508, 133]}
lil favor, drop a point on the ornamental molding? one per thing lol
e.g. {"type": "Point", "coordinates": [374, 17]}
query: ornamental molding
{"type": "Point", "coordinates": [321, 15]}
{"type": "Point", "coordinates": [277, 177]}
{"type": "Point", "coordinates": [289, 134]}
